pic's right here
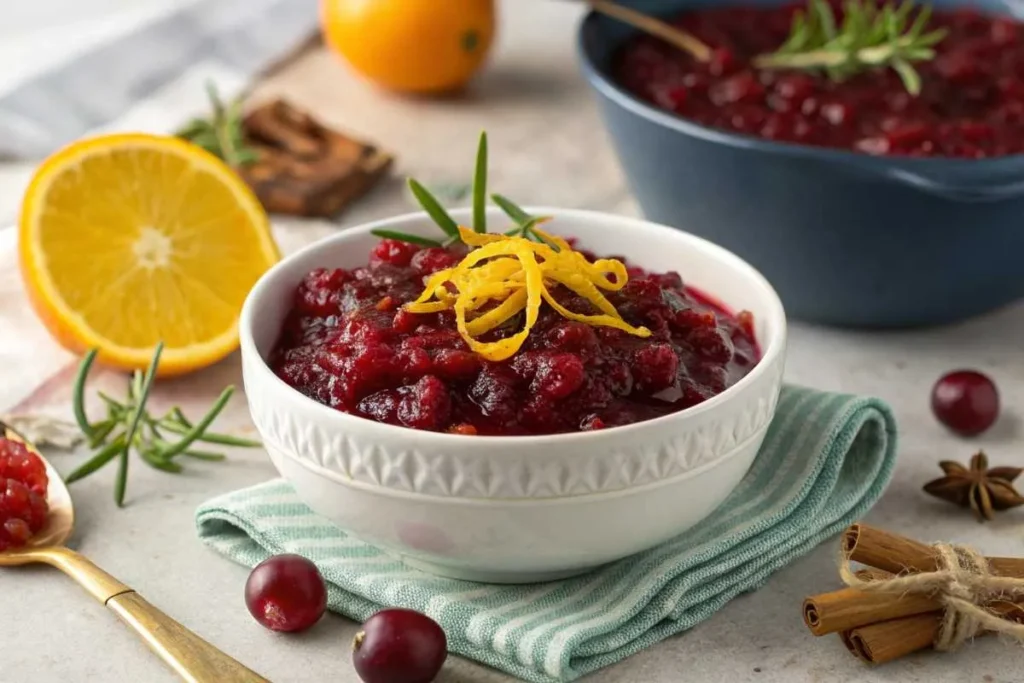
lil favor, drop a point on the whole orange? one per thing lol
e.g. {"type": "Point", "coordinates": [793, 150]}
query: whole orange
{"type": "Point", "coordinates": [419, 46]}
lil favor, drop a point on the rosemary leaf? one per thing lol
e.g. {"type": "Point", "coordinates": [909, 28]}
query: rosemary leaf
{"type": "Point", "coordinates": [511, 209]}
{"type": "Point", "coordinates": [101, 431]}
{"type": "Point", "coordinates": [78, 393]}
{"type": "Point", "coordinates": [141, 390]}
{"type": "Point", "coordinates": [208, 437]}
{"type": "Point", "coordinates": [154, 460]}
{"type": "Point", "coordinates": [480, 187]}
{"type": "Point", "coordinates": [108, 453]}
{"type": "Point", "coordinates": [205, 455]}
{"type": "Point", "coordinates": [908, 74]}
{"type": "Point", "coordinates": [404, 237]}
{"type": "Point", "coordinates": [197, 431]}
{"type": "Point", "coordinates": [434, 209]}
{"type": "Point", "coordinates": [870, 36]}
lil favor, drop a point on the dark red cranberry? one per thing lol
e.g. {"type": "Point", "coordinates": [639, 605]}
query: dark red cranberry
{"type": "Point", "coordinates": [23, 483]}
{"type": "Point", "coordinates": [558, 375]}
{"type": "Point", "coordinates": [456, 364]}
{"type": "Point", "coordinates": [393, 252]}
{"type": "Point", "coordinates": [722, 61]}
{"type": "Point", "coordinates": [425, 405]}
{"type": "Point", "coordinates": [654, 367]}
{"type": "Point", "coordinates": [433, 259]}
{"type": "Point", "coordinates": [286, 593]}
{"type": "Point", "coordinates": [742, 87]}
{"type": "Point", "coordinates": [399, 646]}
{"type": "Point", "coordinates": [795, 87]}
{"type": "Point", "coordinates": [19, 463]}
{"type": "Point", "coordinates": [966, 401]}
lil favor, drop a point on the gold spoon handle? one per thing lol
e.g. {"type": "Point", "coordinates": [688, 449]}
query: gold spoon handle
{"type": "Point", "coordinates": [194, 659]}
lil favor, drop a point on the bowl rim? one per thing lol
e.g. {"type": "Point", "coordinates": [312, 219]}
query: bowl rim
{"type": "Point", "coordinates": [772, 348]}
{"type": "Point", "coordinates": [627, 100]}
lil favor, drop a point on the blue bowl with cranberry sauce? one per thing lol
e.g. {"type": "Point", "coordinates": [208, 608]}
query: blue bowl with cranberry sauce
{"type": "Point", "coordinates": [863, 205]}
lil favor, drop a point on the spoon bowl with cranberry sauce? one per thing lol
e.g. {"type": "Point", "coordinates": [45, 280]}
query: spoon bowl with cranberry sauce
{"type": "Point", "coordinates": [518, 448]}
{"type": "Point", "coordinates": [865, 205]}
{"type": "Point", "coordinates": [37, 518]}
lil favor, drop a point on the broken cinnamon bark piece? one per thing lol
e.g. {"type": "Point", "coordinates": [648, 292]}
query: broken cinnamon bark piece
{"type": "Point", "coordinates": [303, 167]}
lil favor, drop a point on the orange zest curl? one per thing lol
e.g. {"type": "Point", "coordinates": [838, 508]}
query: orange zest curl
{"type": "Point", "coordinates": [515, 272]}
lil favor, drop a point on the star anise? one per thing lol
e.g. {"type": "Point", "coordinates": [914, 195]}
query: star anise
{"type": "Point", "coordinates": [978, 487]}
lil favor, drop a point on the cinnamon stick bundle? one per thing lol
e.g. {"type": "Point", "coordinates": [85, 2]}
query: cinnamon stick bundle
{"type": "Point", "coordinates": [304, 168]}
{"type": "Point", "coordinates": [878, 627]}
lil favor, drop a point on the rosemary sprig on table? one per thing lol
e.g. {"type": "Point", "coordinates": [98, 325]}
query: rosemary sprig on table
{"type": "Point", "coordinates": [869, 36]}
{"type": "Point", "coordinates": [129, 426]}
{"type": "Point", "coordinates": [524, 222]}
{"type": "Point", "coordinates": [221, 134]}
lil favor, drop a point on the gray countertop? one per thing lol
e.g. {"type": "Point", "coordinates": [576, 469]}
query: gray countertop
{"type": "Point", "coordinates": [547, 147]}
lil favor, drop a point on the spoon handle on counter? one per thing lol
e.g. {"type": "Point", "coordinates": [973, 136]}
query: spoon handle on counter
{"type": "Point", "coordinates": [194, 659]}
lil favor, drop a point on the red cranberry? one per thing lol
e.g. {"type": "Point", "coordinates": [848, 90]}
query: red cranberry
{"type": "Point", "coordinates": [722, 62]}
{"type": "Point", "coordinates": [23, 482]}
{"type": "Point", "coordinates": [743, 87]}
{"type": "Point", "coordinates": [286, 593]}
{"type": "Point", "coordinates": [558, 375]}
{"type": "Point", "coordinates": [393, 252]}
{"type": "Point", "coordinates": [399, 646]}
{"type": "Point", "coordinates": [965, 401]}
{"type": "Point", "coordinates": [425, 405]}
{"type": "Point", "coordinates": [23, 512]}
{"type": "Point", "coordinates": [428, 261]}
{"type": "Point", "coordinates": [19, 463]}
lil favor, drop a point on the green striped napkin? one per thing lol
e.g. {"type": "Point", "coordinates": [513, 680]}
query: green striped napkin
{"type": "Point", "coordinates": [825, 461]}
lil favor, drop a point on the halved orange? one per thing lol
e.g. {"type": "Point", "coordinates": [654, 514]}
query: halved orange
{"type": "Point", "coordinates": [129, 239]}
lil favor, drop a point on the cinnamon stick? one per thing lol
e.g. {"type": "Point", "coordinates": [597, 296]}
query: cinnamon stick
{"type": "Point", "coordinates": [303, 167]}
{"type": "Point", "coordinates": [898, 554]}
{"type": "Point", "coordinates": [889, 640]}
{"type": "Point", "coordinates": [885, 641]}
{"type": "Point", "coordinates": [849, 608]}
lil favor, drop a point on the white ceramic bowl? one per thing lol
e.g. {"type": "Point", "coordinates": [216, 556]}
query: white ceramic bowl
{"type": "Point", "coordinates": [526, 508]}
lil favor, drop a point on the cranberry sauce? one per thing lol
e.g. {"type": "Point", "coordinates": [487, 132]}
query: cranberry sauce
{"type": "Point", "coordinates": [347, 344]}
{"type": "Point", "coordinates": [971, 104]}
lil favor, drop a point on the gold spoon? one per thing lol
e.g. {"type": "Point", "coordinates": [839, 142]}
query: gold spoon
{"type": "Point", "coordinates": [190, 656]}
{"type": "Point", "coordinates": [684, 40]}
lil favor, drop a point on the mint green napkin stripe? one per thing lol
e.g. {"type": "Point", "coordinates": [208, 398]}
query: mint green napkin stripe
{"type": "Point", "coordinates": [825, 461]}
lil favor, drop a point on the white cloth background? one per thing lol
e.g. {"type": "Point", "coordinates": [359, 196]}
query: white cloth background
{"type": "Point", "coordinates": [134, 65]}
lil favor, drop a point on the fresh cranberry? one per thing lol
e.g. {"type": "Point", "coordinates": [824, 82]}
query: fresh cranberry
{"type": "Point", "coordinates": [966, 401]}
{"type": "Point", "coordinates": [399, 646]}
{"type": "Point", "coordinates": [286, 593]}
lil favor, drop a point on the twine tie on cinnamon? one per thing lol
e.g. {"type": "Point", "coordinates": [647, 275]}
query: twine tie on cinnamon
{"type": "Point", "coordinates": [963, 583]}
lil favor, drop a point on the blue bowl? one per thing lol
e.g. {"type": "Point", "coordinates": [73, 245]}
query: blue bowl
{"type": "Point", "coordinates": [845, 238]}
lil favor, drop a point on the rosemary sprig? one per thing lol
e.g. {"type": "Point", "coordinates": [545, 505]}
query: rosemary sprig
{"type": "Point", "coordinates": [480, 186]}
{"type": "Point", "coordinates": [525, 223]}
{"type": "Point", "coordinates": [221, 134]}
{"type": "Point", "coordinates": [129, 426]}
{"type": "Point", "coordinates": [869, 37]}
